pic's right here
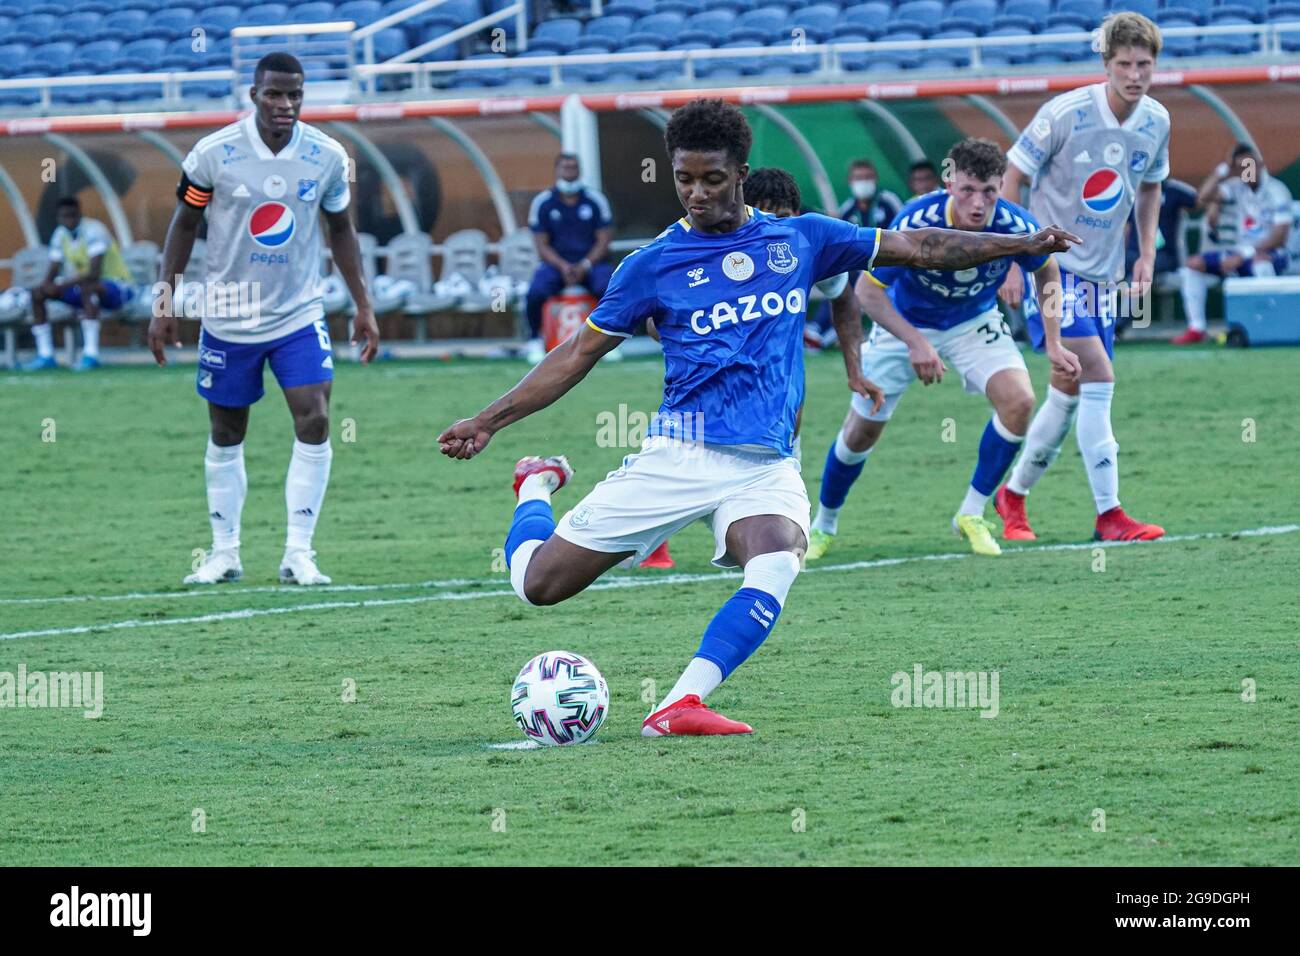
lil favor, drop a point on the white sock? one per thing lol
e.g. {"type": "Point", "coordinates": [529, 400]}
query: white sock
{"type": "Point", "coordinates": [973, 503]}
{"type": "Point", "coordinates": [223, 470]}
{"type": "Point", "coordinates": [1043, 442]}
{"type": "Point", "coordinates": [519, 565]}
{"type": "Point", "coordinates": [1097, 443]}
{"type": "Point", "coordinates": [701, 677]}
{"type": "Point", "coordinates": [90, 337]}
{"type": "Point", "coordinates": [1196, 286]}
{"type": "Point", "coordinates": [846, 454]}
{"type": "Point", "coordinates": [44, 335]}
{"type": "Point", "coordinates": [304, 491]}
{"type": "Point", "coordinates": [537, 487]}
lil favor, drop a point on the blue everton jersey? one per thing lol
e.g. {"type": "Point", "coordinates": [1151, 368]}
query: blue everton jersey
{"type": "Point", "coordinates": [934, 299]}
{"type": "Point", "coordinates": [730, 310]}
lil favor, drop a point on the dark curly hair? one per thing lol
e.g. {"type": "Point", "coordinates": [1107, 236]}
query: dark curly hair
{"type": "Point", "coordinates": [981, 158]}
{"type": "Point", "coordinates": [773, 188]}
{"type": "Point", "coordinates": [707, 126]}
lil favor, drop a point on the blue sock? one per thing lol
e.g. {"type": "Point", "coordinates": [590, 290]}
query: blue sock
{"type": "Point", "coordinates": [738, 628]}
{"type": "Point", "coordinates": [996, 456]}
{"type": "Point", "coordinates": [837, 479]}
{"type": "Point", "coordinates": [533, 520]}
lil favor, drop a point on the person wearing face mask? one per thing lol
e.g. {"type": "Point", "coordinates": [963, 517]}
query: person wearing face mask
{"type": "Point", "coordinates": [572, 228]}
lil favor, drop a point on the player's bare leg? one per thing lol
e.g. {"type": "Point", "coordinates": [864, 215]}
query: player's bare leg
{"type": "Point", "coordinates": [844, 463]}
{"type": "Point", "coordinates": [306, 481]}
{"type": "Point", "coordinates": [227, 485]}
{"type": "Point", "coordinates": [1012, 397]}
{"type": "Point", "coordinates": [768, 547]}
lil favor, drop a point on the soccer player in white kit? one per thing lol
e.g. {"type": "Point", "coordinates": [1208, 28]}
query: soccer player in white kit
{"type": "Point", "coordinates": [263, 182]}
{"type": "Point", "coordinates": [1092, 154]}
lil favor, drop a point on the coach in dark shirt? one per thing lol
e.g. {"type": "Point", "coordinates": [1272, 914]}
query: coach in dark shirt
{"type": "Point", "coordinates": [1177, 200]}
{"type": "Point", "coordinates": [572, 227]}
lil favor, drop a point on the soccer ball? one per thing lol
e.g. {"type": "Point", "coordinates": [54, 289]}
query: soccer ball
{"type": "Point", "coordinates": [559, 698]}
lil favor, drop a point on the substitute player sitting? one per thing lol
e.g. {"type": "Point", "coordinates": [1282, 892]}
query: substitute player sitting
{"type": "Point", "coordinates": [727, 287]}
{"type": "Point", "coordinates": [948, 316]}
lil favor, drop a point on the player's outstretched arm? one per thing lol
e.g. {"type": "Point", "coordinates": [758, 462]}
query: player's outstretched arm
{"type": "Point", "coordinates": [950, 249]}
{"type": "Point", "coordinates": [175, 257]}
{"type": "Point", "coordinates": [564, 367]}
{"type": "Point", "coordinates": [1050, 297]}
{"type": "Point", "coordinates": [346, 250]}
{"type": "Point", "coordinates": [846, 316]}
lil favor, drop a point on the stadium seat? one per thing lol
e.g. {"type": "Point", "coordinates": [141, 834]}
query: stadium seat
{"type": "Point", "coordinates": [217, 22]}
{"type": "Point", "coordinates": [974, 15]}
{"type": "Point", "coordinates": [659, 29]}
{"type": "Point", "coordinates": [1027, 14]}
{"type": "Point", "coordinates": [870, 17]}
{"type": "Point", "coordinates": [1145, 7]}
{"type": "Point", "coordinates": [726, 67]}
{"type": "Point", "coordinates": [1177, 45]}
{"type": "Point", "coordinates": [613, 28]}
{"type": "Point", "coordinates": [917, 16]}
{"type": "Point", "coordinates": [1060, 52]}
{"type": "Point", "coordinates": [1232, 44]}
{"type": "Point", "coordinates": [783, 61]}
{"type": "Point", "coordinates": [817, 21]}
{"type": "Point", "coordinates": [48, 59]}
{"type": "Point", "coordinates": [140, 56]}
{"type": "Point", "coordinates": [317, 12]}
{"type": "Point", "coordinates": [126, 26]}
{"type": "Point", "coordinates": [11, 56]}
{"type": "Point", "coordinates": [555, 36]}
{"type": "Point", "coordinates": [361, 12]}
{"type": "Point", "coordinates": [1290, 41]}
{"type": "Point", "coordinates": [684, 7]}
{"type": "Point", "coordinates": [764, 25]}
{"type": "Point", "coordinates": [957, 56]}
{"type": "Point", "coordinates": [77, 27]}
{"type": "Point", "coordinates": [28, 96]}
{"type": "Point", "coordinates": [95, 56]}
{"type": "Point", "coordinates": [1013, 53]}
{"type": "Point", "coordinates": [449, 15]}
{"type": "Point", "coordinates": [672, 69]}
{"type": "Point", "coordinates": [648, 69]}
{"type": "Point", "coordinates": [522, 76]}
{"type": "Point", "coordinates": [169, 24]}
{"type": "Point", "coordinates": [1255, 11]}
{"type": "Point", "coordinates": [1284, 11]}
{"type": "Point", "coordinates": [1084, 14]}
{"type": "Point", "coordinates": [480, 77]}
{"type": "Point", "coordinates": [630, 8]}
{"type": "Point", "coordinates": [389, 43]}
{"type": "Point", "coordinates": [1198, 11]}
{"type": "Point", "coordinates": [35, 27]}
{"type": "Point", "coordinates": [588, 72]}
{"type": "Point", "coordinates": [708, 27]}
{"type": "Point", "coordinates": [265, 14]}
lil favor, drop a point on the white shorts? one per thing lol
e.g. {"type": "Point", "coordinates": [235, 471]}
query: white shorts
{"type": "Point", "coordinates": [977, 349]}
{"type": "Point", "coordinates": [669, 483]}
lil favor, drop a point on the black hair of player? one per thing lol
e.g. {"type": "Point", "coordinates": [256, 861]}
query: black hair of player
{"type": "Point", "coordinates": [709, 126]}
{"type": "Point", "coordinates": [1242, 149]}
{"type": "Point", "coordinates": [69, 202]}
{"type": "Point", "coordinates": [773, 189]}
{"type": "Point", "coordinates": [922, 164]}
{"type": "Point", "coordinates": [982, 159]}
{"type": "Point", "coordinates": [278, 62]}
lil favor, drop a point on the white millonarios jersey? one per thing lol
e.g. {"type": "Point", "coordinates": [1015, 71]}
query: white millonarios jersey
{"type": "Point", "coordinates": [263, 269]}
{"type": "Point", "coordinates": [1249, 215]}
{"type": "Point", "coordinates": [1086, 167]}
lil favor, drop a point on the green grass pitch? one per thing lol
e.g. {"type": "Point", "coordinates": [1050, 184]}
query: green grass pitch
{"type": "Point", "coordinates": [225, 738]}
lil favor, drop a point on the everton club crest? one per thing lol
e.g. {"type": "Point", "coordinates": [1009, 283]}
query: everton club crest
{"type": "Point", "coordinates": [780, 258]}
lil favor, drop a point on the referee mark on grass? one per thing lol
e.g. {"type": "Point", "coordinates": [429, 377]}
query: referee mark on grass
{"type": "Point", "coordinates": [624, 581]}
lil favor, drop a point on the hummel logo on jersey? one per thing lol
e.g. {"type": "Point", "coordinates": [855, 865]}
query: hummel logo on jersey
{"type": "Point", "coordinates": [697, 276]}
{"type": "Point", "coordinates": [241, 191]}
{"type": "Point", "coordinates": [1083, 157]}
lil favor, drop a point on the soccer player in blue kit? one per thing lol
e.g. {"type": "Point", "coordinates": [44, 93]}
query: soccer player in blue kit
{"type": "Point", "coordinates": [727, 287]}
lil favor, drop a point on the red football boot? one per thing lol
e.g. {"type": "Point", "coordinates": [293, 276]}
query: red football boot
{"type": "Point", "coordinates": [1190, 337]}
{"type": "Point", "coordinates": [689, 717]}
{"type": "Point", "coordinates": [1115, 525]}
{"type": "Point", "coordinates": [1011, 509]}
{"type": "Point", "coordinates": [659, 558]}
{"type": "Point", "coordinates": [557, 465]}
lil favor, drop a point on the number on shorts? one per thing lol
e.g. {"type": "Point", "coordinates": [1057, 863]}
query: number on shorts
{"type": "Point", "coordinates": [994, 333]}
{"type": "Point", "coordinates": [323, 335]}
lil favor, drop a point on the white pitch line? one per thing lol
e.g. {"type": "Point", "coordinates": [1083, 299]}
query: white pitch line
{"type": "Point", "coordinates": [618, 582]}
{"type": "Point", "coordinates": [215, 590]}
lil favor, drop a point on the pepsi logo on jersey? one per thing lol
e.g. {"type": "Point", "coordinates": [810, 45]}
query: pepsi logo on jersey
{"type": "Point", "coordinates": [271, 226]}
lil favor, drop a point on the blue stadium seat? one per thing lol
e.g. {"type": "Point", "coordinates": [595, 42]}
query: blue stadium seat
{"type": "Point", "coordinates": [1177, 45]}
{"type": "Point", "coordinates": [630, 8]}
{"type": "Point", "coordinates": [265, 14]}
{"type": "Point", "coordinates": [612, 28]}
{"type": "Point", "coordinates": [76, 27]}
{"type": "Point", "coordinates": [1145, 7]}
{"type": "Point", "coordinates": [1197, 11]}
{"type": "Point", "coordinates": [1084, 14]}
{"type": "Point", "coordinates": [53, 9]}
{"type": "Point", "coordinates": [11, 55]}
{"type": "Point", "coordinates": [684, 7]}
{"type": "Point", "coordinates": [179, 55]}
{"type": "Point", "coordinates": [1066, 52]}
{"type": "Point", "coordinates": [648, 69]}
{"type": "Point", "coordinates": [1027, 14]}
{"type": "Point", "coordinates": [319, 11]}
{"type": "Point", "coordinates": [140, 56]}
{"type": "Point", "coordinates": [783, 60]}
{"type": "Point", "coordinates": [658, 29]}
{"type": "Point", "coordinates": [169, 24]}
{"type": "Point", "coordinates": [589, 72]}
{"type": "Point", "coordinates": [709, 27]}
{"type": "Point", "coordinates": [764, 25]}
{"type": "Point", "coordinates": [450, 15]}
{"type": "Point", "coordinates": [974, 15]}
{"type": "Point", "coordinates": [389, 43]}
{"type": "Point", "coordinates": [94, 57]}
{"type": "Point", "coordinates": [1254, 10]}
{"type": "Point", "coordinates": [1290, 40]}
{"type": "Point", "coordinates": [6, 28]}
{"type": "Point", "coordinates": [24, 97]}
{"type": "Point", "coordinates": [555, 36]}
{"type": "Point", "coordinates": [125, 26]}
{"type": "Point", "coordinates": [918, 16]}
{"type": "Point", "coordinates": [1284, 11]}
{"type": "Point", "coordinates": [218, 21]}
{"type": "Point", "coordinates": [727, 67]}
{"type": "Point", "coordinates": [479, 78]}
{"type": "Point", "coordinates": [1233, 44]}
{"type": "Point", "coordinates": [864, 18]}
{"type": "Point", "coordinates": [735, 6]}
{"type": "Point", "coordinates": [35, 27]}
{"type": "Point", "coordinates": [817, 21]}
{"type": "Point", "coordinates": [524, 76]}
{"type": "Point", "coordinates": [361, 12]}
{"type": "Point", "coordinates": [957, 56]}
{"type": "Point", "coordinates": [50, 59]}
{"type": "Point", "coordinates": [1013, 53]}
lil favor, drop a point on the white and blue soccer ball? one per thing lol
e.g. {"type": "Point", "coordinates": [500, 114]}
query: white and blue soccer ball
{"type": "Point", "coordinates": [559, 698]}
